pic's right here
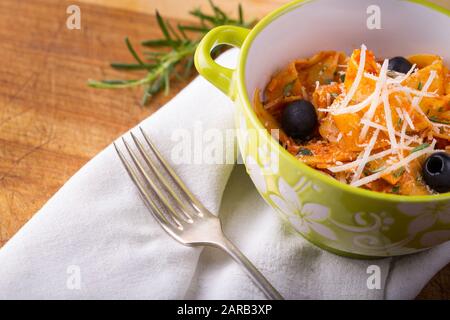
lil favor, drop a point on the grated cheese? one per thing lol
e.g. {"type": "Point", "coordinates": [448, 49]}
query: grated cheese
{"type": "Point", "coordinates": [415, 92]}
{"type": "Point", "coordinates": [359, 75]}
{"type": "Point", "coordinates": [353, 164]}
{"type": "Point", "coordinates": [383, 128]}
{"type": "Point", "coordinates": [388, 118]}
{"type": "Point", "coordinates": [416, 100]}
{"type": "Point", "coordinates": [366, 155]}
{"type": "Point", "coordinates": [353, 108]}
{"type": "Point", "coordinates": [402, 142]}
{"type": "Point", "coordinates": [387, 82]}
{"type": "Point", "coordinates": [379, 86]}
{"type": "Point", "coordinates": [399, 112]}
{"type": "Point", "coordinates": [395, 166]}
{"type": "Point", "coordinates": [408, 120]}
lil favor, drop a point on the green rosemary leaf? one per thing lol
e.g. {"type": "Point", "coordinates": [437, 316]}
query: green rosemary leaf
{"type": "Point", "coordinates": [162, 67]}
{"type": "Point", "coordinates": [145, 98]}
{"type": "Point", "coordinates": [188, 67]}
{"type": "Point", "coordinates": [113, 84]}
{"type": "Point", "coordinates": [204, 17]}
{"type": "Point", "coordinates": [162, 26]}
{"type": "Point", "coordinates": [395, 189]}
{"type": "Point", "coordinates": [131, 66]}
{"type": "Point", "coordinates": [133, 52]}
{"type": "Point", "coordinates": [154, 53]}
{"type": "Point", "coordinates": [193, 28]}
{"type": "Point", "coordinates": [218, 12]}
{"type": "Point", "coordinates": [181, 30]}
{"type": "Point", "coordinates": [399, 172]}
{"type": "Point", "coordinates": [241, 14]}
{"type": "Point", "coordinates": [114, 81]}
{"type": "Point", "coordinates": [172, 31]}
{"type": "Point", "coordinates": [156, 86]}
{"type": "Point", "coordinates": [178, 75]}
{"type": "Point", "coordinates": [166, 83]}
{"type": "Point", "coordinates": [158, 43]}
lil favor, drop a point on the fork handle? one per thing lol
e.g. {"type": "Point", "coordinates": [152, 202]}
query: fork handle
{"type": "Point", "coordinates": [257, 277]}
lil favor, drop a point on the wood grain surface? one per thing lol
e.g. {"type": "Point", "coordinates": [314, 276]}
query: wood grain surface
{"type": "Point", "coordinates": [51, 123]}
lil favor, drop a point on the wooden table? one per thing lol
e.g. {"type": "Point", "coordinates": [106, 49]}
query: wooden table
{"type": "Point", "coordinates": [51, 123]}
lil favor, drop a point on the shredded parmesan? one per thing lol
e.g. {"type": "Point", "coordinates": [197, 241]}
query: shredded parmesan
{"type": "Point", "coordinates": [366, 155]}
{"type": "Point", "coordinates": [379, 86]}
{"type": "Point", "coordinates": [355, 163]}
{"type": "Point", "coordinates": [416, 101]}
{"type": "Point", "coordinates": [415, 92]}
{"type": "Point", "coordinates": [393, 142]}
{"type": "Point", "coordinates": [403, 133]}
{"type": "Point", "coordinates": [402, 142]}
{"type": "Point", "coordinates": [359, 75]}
{"type": "Point", "coordinates": [353, 108]}
{"type": "Point", "coordinates": [388, 117]}
{"type": "Point", "coordinates": [383, 128]}
{"type": "Point", "coordinates": [408, 120]}
{"type": "Point", "coordinates": [395, 166]}
{"type": "Point", "coordinates": [397, 80]}
{"type": "Point", "coordinates": [406, 76]}
{"type": "Point", "coordinates": [399, 112]}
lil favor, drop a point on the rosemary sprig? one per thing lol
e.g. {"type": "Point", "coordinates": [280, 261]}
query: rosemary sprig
{"type": "Point", "coordinates": [175, 58]}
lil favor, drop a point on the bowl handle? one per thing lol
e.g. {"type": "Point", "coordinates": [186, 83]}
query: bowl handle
{"type": "Point", "coordinates": [219, 76]}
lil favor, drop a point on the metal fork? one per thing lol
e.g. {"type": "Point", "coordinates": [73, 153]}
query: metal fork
{"type": "Point", "coordinates": [178, 211]}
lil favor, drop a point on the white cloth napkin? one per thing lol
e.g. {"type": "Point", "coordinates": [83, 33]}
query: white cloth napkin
{"type": "Point", "coordinates": [96, 239]}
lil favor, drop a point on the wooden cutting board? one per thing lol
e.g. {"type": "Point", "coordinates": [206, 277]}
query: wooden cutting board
{"type": "Point", "coordinates": [51, 123]}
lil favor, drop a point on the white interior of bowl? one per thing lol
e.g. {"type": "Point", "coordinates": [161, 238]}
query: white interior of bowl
{"type": "Point", "coordinates": [406, 28]}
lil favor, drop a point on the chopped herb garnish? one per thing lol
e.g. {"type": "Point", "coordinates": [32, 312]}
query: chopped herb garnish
{"type": "Point", "coordinates": [395, 189]}
{"type": "Point", "coordinates": [342, 77]}
{"type": "Point", "coordinates": [437, 120]}
{"type": "Point", "coordinates": [377, 170]}
{"type": "Point", "coordinates": [419, 87]}
{"type": "Point", "coordinates": [420, 147]}
{"type": "Point", "coordinates": [399, 172]}
{"type": "Point", "coordinates": [392, 74]}
{"type": "Point", "coordinates": [304, 152]}
{"type": "Point", "coordinates": [399, 122]}
{"type": "Point", "coordinates": [287, 90]}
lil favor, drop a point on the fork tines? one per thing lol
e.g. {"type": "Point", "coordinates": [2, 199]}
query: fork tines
{"type": "Point", "coordinates": [169, 200]}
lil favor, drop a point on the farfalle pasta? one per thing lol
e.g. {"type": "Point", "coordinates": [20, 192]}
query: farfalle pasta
{"type": "Point", "coordinates": [382, 125]}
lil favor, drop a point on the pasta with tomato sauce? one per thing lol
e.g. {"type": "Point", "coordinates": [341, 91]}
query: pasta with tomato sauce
{"type": "Point", "coordinates": [382, 125]}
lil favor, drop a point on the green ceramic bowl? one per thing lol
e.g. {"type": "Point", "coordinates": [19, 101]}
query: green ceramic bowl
{"type": "Point", "coordinates": [337, 217]}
